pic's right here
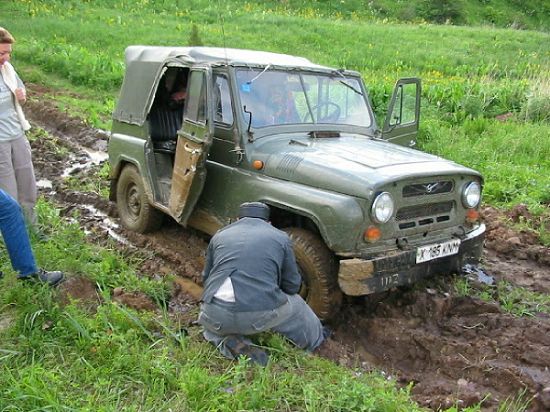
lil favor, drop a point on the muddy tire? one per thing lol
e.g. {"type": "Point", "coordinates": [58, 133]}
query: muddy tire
{"type": "Point", "coordinates": [318, 267]}
{"type": "Point", "coordinates": [133, 206]}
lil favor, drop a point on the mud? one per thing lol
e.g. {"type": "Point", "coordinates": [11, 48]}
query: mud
{"type": "Point", "coordinates": [458, 351]}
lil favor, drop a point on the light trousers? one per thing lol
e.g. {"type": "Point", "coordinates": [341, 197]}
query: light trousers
{"type": "Point", "coordinates": [295, 320]}
{"type": "Point", "coordinates": [17, 174]}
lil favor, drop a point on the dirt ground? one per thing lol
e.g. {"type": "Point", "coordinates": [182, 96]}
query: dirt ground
{"type": "Point", "coordinates": [457, 350]}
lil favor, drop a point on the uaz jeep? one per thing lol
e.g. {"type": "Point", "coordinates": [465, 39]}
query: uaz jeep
{"type": "Point", "coordinates": [197, 131]}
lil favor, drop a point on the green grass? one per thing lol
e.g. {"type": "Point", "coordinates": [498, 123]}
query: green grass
{"type": "Point", "coordinates": [515, 300]}
{"type": "Point", "coordinates": [526, 14]}
{"type": "Point", "coordinates": [85, 44]}
{"type": "Point", "coordinates": [55, 357]}
{"type": "Point", "coordinates": [513, 157]}
{"type": "Point", "coordinates": [91, 105]}
{"type": "Point", "coordinates": [96, 180]}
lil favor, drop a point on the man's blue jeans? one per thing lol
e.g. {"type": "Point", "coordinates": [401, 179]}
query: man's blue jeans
{"type": "Point", "coordinates": [16, 238]}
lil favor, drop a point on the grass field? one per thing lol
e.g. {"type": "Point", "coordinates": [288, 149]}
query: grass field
{"type": "Point", "coordinates": [110, 360]}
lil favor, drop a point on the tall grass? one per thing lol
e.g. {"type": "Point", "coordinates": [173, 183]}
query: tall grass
{"type": "Point", "coordinates": [513, 157]}
{"type": "Point", "coordinates": [525, 14]}
{"type": "Point", "coordinates": [81, 39]}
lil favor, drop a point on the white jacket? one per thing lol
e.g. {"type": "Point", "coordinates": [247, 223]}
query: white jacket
{"type": "Point", "coordinates": [10, 78]}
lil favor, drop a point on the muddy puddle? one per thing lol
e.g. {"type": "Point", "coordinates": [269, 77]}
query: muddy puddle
{"type": "Point", "coordinates": [456, 350]}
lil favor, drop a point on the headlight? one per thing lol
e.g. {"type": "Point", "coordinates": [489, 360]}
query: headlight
{"type": "Point", "coordinates": [471, 196]}
{"type": "Point", "coordinates": [382, 207]}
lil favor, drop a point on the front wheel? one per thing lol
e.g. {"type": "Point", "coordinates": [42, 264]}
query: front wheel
{"type": "Point", "coordinates": [133, 206]}
{"type": "Point", "coordinates": [319, 268]}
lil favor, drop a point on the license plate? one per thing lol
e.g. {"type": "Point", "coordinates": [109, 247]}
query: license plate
{"type": "Point", "coordinates": [437, 250]}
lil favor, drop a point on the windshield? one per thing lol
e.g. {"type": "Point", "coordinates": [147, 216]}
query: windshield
{"type": "Point", "coordinates": [275, 97]}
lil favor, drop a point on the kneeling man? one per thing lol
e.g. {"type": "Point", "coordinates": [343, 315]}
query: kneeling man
{"type": "Point", "coordinates": [251, 282]}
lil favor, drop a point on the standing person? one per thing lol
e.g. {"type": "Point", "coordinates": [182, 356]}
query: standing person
{"type": "Point", "coordinates": [251, 282]}
{"type": "Point", "coordinates": [16, 169]}
{"type": "Point", "coordinates": [16, 238]}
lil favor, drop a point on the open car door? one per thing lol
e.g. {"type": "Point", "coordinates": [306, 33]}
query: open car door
{"type": "Point", "coordinates": [401, 124]}
{"type": "Point", "coordinates": [194, 140]}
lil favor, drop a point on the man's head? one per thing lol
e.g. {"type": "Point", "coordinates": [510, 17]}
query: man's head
{"type": "Point", "coordinates": [254, 209]}
{"type": "Point", "coordinates": [6, 41]}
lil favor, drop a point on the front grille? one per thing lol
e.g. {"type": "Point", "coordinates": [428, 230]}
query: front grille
{"type": "Point", "coordinates": [432, 188]}
{"type": "Point", "coordinates": [422, 215]}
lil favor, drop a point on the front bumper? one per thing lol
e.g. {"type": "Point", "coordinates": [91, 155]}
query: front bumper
{"type": "Point", "coordinates": [358, 277]}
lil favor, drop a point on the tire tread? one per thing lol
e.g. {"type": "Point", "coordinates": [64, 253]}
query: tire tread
{"type": "Point", "coordinates": [310, 249]}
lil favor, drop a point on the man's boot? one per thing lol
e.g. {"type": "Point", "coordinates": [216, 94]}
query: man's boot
{"type": "Point", "coordinates": [238, 347]}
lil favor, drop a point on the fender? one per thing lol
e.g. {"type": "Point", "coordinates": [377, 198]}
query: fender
{"type": "Point", "coordinates": [339, 218]}
{"type": "Point", "coordinates": [125, 149]}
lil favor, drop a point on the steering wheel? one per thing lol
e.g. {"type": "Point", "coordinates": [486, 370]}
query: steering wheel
{"type": "Point", "coordinates": [332, 115]}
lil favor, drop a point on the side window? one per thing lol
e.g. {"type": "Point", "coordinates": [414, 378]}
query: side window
{"type": "Point", "coordinates": [404, 111]}
{"type": "Point", "coordinates": [222, 100]}
{"type": "Point", "coordinates": [195, 109]}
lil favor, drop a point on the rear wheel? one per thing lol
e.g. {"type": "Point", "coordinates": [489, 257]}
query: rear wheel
{"type": "Point", "coordinates": [318, 267]}
{"type": "Point", "coordinates": [133, 206]}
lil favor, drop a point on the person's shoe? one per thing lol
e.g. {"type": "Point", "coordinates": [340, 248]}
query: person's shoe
{"type": "Point", "coordinates": [51, 278]}
{"type": "Point", "coordinates": [237, 347]}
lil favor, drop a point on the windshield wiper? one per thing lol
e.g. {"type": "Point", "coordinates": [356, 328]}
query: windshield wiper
{"type": "Point", "coordinates": [339, 73]}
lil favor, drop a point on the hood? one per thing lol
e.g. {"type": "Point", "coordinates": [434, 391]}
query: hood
{"type": "Point", "coordinates": [353, 165]}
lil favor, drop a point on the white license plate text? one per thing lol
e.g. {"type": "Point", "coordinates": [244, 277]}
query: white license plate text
{"type": "Point", "coordinates": [437, 250]}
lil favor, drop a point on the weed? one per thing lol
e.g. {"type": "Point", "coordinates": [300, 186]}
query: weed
{"type": "Point", "coordinates": [522, 302]}
{"type": "Point", "coordinates": [537, 108]}
{"type": "Point", "coordinates": [96, 180]}
{"type": "Point", "coordinates": [513, 299]}
{"type": "Point", "coordinates": [518, 404]}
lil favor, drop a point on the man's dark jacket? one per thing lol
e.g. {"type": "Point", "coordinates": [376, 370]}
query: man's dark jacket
{"type": "Point", "coordinates": [260, 261]}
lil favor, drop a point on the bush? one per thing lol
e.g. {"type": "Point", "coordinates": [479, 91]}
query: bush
{"type": "Point", "coordinates": [442, 11]}
{"type": "Point", "coordinates": [537, 106]}
{"type": "Point", "coordinates": [537, 109]}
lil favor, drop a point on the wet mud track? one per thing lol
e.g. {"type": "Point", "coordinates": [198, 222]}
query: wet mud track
{"type": "Point", "coordinates": [456, 350]}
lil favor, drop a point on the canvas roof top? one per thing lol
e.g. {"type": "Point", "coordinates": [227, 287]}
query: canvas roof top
{"type": "Point", "coordinates": [144, 65]}
{"type": "Point", "coordinates": [214, 55]}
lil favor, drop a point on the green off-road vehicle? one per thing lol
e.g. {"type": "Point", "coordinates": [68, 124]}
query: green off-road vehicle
{"type": "Point", "coordinates": [197, 131]}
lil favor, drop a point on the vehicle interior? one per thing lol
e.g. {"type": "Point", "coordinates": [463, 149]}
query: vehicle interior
{"type": "Point", "coordinates": [164, 120]}
{"type": "Point", "coordinates": [166, 115]}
